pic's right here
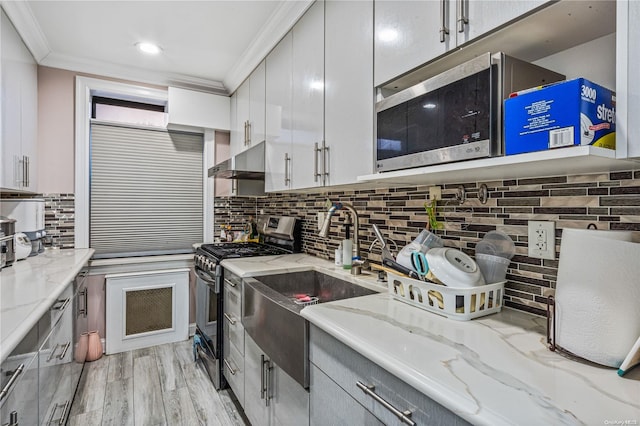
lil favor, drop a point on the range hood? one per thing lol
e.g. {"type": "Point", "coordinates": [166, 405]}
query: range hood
{"type": "Point", "coordinates": [248, 165]}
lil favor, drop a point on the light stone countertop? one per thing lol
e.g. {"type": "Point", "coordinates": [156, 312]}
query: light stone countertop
{"type": "Point", "coordinates": [29, 287]}
{"type": "Point", "coordinates": [494, 370]}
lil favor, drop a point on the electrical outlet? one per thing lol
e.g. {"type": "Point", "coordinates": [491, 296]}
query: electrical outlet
{"type": "Point", "coordinates": [435, 193]}
{"type": "Point", "coordinates": [542, 239]}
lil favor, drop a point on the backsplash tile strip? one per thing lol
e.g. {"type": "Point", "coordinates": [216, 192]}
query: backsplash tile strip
{"type": "Point", "coordinates": [59, 217]}
{"type": "Point", "coordinates": [609, 200]}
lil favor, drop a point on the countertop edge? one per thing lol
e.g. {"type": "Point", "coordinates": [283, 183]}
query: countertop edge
{"type": "Point", "coordinates": [10, 342]}
{"type": "Point", "coordinates": [441, 395]}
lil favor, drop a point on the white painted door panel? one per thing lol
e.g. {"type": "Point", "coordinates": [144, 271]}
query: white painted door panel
{"type": "Point", "coordinates": [243, 100]}
{"type": "Point", "coordinates": [308, 96]}
{"type": "Point", "coordinates": [349, 94]}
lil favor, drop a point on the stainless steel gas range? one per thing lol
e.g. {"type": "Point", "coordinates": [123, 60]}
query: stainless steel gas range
{"type": "Point", "coordinates": [281, 235]}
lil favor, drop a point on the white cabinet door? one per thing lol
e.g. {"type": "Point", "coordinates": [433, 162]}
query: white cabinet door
{"type": "Point", "coordinates": [349, 94]}
{"type": "Point", "coordinates": [407, 34]}
{"type": "Point", "coordinates": [254, 384]}
{"type": "Point", "coordinates": [19, 115]}
{"type": "Point", "coordinates": [308, 97]}
{"type": "Point", "coordinates": [278, 116]}
{"type": "Point", "coordinates": [257, 106]}
{"type": "Point", "coordinates": [235, 134]}
{"type": "Point", "coordinates": [243, 102]}
{"type": "Point", "coordinates": [29, 120]}
{"type": "Point", "coordinates": [482, 16]}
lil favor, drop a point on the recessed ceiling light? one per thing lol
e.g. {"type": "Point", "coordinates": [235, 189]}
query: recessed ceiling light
{"type": "Point", "coordinates": [148, 48]}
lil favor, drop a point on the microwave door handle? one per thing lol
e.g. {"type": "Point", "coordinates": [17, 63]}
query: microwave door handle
{"type": "Point", "coordinates": [463, 12]}
{"type": "Point", "coordinates": [444, 30]}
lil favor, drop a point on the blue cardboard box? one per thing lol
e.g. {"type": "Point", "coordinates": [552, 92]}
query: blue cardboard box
{"type": "Point", "coordinates": [574, 112]}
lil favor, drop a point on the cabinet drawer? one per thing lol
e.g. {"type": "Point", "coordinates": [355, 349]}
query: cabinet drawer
{"type": "Point", "coordinates": [346, 367]}
{"type": "Point", "coordinates": [21, 388]}
{"type": "Point", "coordinates": [233, 329]}
{"type": "Point", "coordinates": [331, 405]}
{"type": "Point", "coordinates": [233, 301]}
{"type": "Point", "coordinates": [234, 371]}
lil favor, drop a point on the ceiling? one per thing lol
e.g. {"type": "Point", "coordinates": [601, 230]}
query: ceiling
{"type": "Point", "coordinates": [206, 45]}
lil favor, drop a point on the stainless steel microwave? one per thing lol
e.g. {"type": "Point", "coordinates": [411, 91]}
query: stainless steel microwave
{"type": "Point", "coordinates": [453, 116]}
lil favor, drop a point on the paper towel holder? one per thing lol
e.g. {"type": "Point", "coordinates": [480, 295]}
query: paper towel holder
{"type": "Point", "coordinates": [551, 331]}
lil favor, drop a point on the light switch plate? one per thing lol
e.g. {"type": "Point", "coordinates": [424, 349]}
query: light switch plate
{"type": "Point", "coordinates": [542, 239]}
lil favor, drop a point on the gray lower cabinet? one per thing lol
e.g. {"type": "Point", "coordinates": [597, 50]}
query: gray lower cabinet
{"type": "Point", "coordinates": [271, 396]}
{"type": "Point", "coordinates": [347, 388]}
{"type": "Point", "coordinates": [19, 381]}
{"type": "Point", "coordinates": [40, 377]}
{"type": "Point", "coordinates": [332, 405]}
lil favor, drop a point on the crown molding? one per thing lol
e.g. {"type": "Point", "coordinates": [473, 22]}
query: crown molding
{"type": "Point", "coordinates": [141, 75]}
{"type": "Point", "coordinates": [277, 26]}
{"type": "Point", "coordinates": [21, 15]}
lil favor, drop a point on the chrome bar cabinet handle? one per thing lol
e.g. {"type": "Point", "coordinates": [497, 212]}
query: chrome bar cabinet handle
{"type": "Point", "coordinates": [287, 161]}
{"type": "Point", "coordinates": [403, 416]}
{"type": "Point", "coordinates": [231, 370]}
{"type": "Point", "coordinates": [5, 390]}
{"type": "Point", "coordinates": [262, 391]}
{"type": "Point", "coordinates": [316, 151]}
{"type": "Point", "coordinates": [228, 317]}
{"type": "Point", "coordinates": [444, 30]}
{"type": "Point", "coordinates": [463, 11]}
{"type": "Point", "coordinates": [60, 305]}
{"type": "Point", "coordinates": [268, 396]}
{"type": "Point", "coordinates": [325, 163]}
{"type": "Point", "coordinates": [83, 294]}
{"type": "Point", "coordinates": [27, 168]}
{"type": "Point", "coordinates": [13, 419]}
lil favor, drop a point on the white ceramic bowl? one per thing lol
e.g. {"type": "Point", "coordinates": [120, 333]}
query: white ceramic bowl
{"type": "Point", "coordinates": [454, 268]}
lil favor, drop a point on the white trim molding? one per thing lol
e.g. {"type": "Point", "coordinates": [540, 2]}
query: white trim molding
{"type": "Point", "coordinates": [276, 27]}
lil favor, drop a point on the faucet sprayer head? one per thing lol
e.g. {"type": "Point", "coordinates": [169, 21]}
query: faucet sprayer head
{"type": "Point", "coordinates": [324, 232]}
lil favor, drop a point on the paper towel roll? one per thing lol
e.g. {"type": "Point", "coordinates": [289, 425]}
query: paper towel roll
{"type": "Point", "coordinates": [597, 294]}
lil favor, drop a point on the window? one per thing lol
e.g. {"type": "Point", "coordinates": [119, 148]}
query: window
{"type": "Point", "coordinates": [146, 188]}
{"type": "Point", "coordinates": [126, 97]}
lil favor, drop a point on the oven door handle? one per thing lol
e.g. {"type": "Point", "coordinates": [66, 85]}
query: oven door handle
{"type": "Point", "coordinates": [204, 277]}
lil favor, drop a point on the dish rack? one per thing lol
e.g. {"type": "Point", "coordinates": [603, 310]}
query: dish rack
{"type": "Point", "coordinates": [460, 304]}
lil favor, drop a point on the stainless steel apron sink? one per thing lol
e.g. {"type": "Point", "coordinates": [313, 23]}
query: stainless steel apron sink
{"type": "Point", "coordinates": [272, 318]}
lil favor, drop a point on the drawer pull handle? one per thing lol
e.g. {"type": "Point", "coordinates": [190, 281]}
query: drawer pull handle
{"type": "Point", "coordinates": [231, 370]}
{"type": "Point", "coordinates": [404, 416]}
{"type": "Point", "coordinates": [60, 305]}
{"type": "Point", "coordinates": [231, 320]}
{"type": "Point", "coordinates": [13, 419]}
{"type": "Point", "coordinates": [231, 283]}
{"type": "Point", "coordinates": [5, 390]}
{"type": "Point", "coordinates": [63, 417]}
{"type": "Point", "coordinates": [65, 348]}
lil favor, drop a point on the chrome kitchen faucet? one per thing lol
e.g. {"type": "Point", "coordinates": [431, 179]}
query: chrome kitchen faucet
{"type": "Point", "coordinates": [324, 232]}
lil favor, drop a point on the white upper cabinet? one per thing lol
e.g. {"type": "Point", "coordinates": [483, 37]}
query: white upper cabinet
{"type": "Point", "coordinates": [349, 94]}
{"type": "Point", "coordinates": [250, 111]}
{"type": "Point", "coordinates": [407, 34]}
{"type": "Point", "coordinates": [256, 131]}
{"type": "Point", "coordinates": [477, 17]}
{"type": "Point", "coordinates": [411, 33]}
{"type": "Point", "coordinates": [308, 98]}
{"type": "Point", "coordinates": [19, 111]}
{"type": "Point", "coordinates": [190, 108]}
{"type": "Point", "coordinates": [627, 82]}
{"type": "Point", "coordinates": [279, 89]}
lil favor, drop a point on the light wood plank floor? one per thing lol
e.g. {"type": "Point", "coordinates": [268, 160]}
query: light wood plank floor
{"type": "Point", "coordinates": [152, 386]}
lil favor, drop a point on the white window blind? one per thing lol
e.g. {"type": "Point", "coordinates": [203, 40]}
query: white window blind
{"type": "Point", "coordinates": [146, 191]}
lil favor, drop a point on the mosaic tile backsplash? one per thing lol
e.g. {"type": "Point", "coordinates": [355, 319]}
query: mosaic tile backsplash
{"type": "Point", "coordinates": [59, 218]}
{"type": "Point", "coordinates": [609, 200]}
